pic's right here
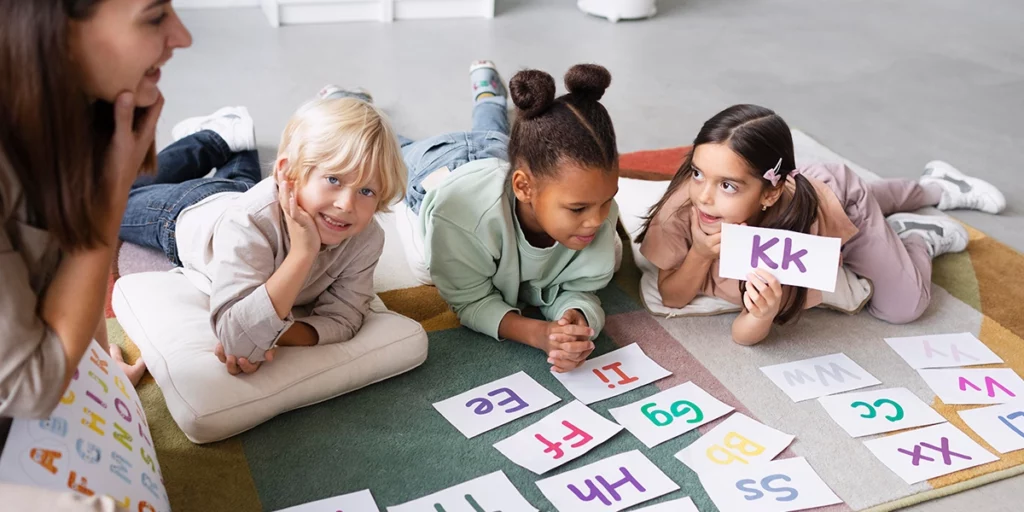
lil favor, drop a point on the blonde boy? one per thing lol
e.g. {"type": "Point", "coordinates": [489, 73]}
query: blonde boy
{"type": "Point", "coordinates": [287, 261]}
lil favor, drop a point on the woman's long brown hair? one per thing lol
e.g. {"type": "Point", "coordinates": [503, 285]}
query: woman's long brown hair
{"type": "Point", "coordinates": [761, 138]}
{"type": "Point", "coordinates": [52, 135]}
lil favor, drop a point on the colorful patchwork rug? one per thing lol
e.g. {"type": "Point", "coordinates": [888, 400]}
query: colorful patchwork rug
{"type": "Point", "coordinates": [388, 437]}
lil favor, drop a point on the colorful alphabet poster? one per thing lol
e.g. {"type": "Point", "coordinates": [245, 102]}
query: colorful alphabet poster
{"type": "Point", "coordinates": [943, 350]}
{"type": "Point", "coordinates": [1001, 426]}
{"type": "Point", "coordinates": [361, 501]}
{"type": "Point", "coordinates": [795, 259]}
{"type": "Point", "coordinates": [877, 411]}
{"type": "Point", "coordinates": [819, 376]}
{"type": "Point", "coordinates": [612, 374]}
{"type": "Point", "coordinates": [929, 452]}
{"type": "Point", "coordinates": [975, 386]}
{"type": "Point", "coordinates": [670, 414]}
{"type": "Point", "coordinates": [485, 494]}
{"type": "Point", "coordinates": [737, 441]}
{"type": "Point", "coordinates": [779, 486]}
{"type": "Point", "coordinates": [492, 405]}
{"type": "Point", "coordinates": [96, 442]}
{"type": "Point", "coordinates": [611, 484]}
{"type": "Point", "coordinates": [562, 436]}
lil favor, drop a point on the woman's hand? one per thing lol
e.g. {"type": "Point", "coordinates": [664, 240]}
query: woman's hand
{"type": "Point", "coordinates": [127, 151]}
{"type": "Point", "coordinates": [129, 145]}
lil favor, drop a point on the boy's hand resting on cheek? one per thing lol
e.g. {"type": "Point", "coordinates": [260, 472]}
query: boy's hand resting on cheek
{"type": "Point", "coordinates": [236, 365]}
{"type": "Point", "coordinates": [302, 228]}
{"type": "Point", "coordinates": [569, 344]}
{"type": "Point", "coordinates": [708, 246]}
{"type": "Point", "coordinates": [763, 297]}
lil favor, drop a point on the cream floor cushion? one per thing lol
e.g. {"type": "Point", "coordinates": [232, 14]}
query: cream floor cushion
{"type": "Point", "coordinates": [168, 318]}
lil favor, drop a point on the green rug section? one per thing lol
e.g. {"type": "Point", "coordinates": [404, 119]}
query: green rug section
{"type": "Point", "coordinates": [616, 301]}
{"type": "Point", "coordinates": [388, 437]}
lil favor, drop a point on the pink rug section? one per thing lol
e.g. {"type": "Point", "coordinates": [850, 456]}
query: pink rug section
{"type": "Point", "coordinates": [133, 259]}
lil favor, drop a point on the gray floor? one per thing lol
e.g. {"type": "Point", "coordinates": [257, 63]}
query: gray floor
{"type": "Point", "coordinates": [889, 84]}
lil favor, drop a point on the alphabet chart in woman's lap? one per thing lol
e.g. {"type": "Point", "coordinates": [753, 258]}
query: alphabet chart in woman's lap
{"type": "Point", "coordinates": [97, 441]}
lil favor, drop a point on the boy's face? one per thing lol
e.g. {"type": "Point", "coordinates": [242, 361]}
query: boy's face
{"type": "Point", "coordinates": [340, 207]}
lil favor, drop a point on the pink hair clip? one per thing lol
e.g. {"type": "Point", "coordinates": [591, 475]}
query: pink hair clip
{"type": "Point", "coordinates": [773, 174]}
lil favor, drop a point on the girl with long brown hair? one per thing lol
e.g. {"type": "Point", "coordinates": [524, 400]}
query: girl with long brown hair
{"type": "Point", "coordinates": [742, 170]}
{"type": "Point", "coordinates": [79, 103]}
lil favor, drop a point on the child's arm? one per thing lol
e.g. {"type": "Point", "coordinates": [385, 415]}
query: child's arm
{"type": "Point", "coordinates": [244, 317]}
{"type": "Point", "coordinates": [562, 341]}
{"type": "Point", "coordinates": [762, 301]}
{"type": "Point", "coordinates": [287, 281]}
{"type": "Point", "coordinates": [463, 271]}
{"type": "Point", "coordinates": [250, 299]}
{"type": "Point", "coordinates": [578, 294]}
{"type": "Point", "coordinates": [285, 284]}
{"type": "Point", "coordinates": [678, 287]}
{"type": "Point", "coordinates": [339, 311]}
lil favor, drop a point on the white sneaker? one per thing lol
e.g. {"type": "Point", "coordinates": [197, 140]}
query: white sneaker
{"type": "Point", "coordinates": [942, 234]}
{"type": "Point", "coordinates": [960, 191]}
{"type": "Point", "coordinates": [331, 91]}
{"type": "Point", "coordinates": [233, 124]}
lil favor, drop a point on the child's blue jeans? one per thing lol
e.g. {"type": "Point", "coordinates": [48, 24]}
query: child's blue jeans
{"type": "Point", "coordinates": [155, 201]}
{"type": "Point", "coordinates": [487, 139]}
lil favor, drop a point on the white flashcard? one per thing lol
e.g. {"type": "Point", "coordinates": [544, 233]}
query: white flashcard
{"type": "Point", "coordinates": [610, 485]}
{"type": "Point", "coordinates": [929, 452]}
{"type": "Point", "coordinates": [96, 442]}
{"type": "Point", "coordinates": [975, 386]}
{"type": "Point", "coordinates": [670, 414]}
{"type": "Point", "coordinates": [680, 505]}
{"type": "Point", "coordinates": [492, 405]}
{"type": "Point", "coordinates": [819, 376]}
{"type": "Point", "coordinates": [943, 351]}
{"type": "Point", "coordinates": [795, 259]}
{"type": "Point", "coordinates": [612, 374]}
{"type": "Point", "coordinates": [1001, 426]}
{"type": "Point", "coordinates": [361, 501]}
{"type": "Point", "coordinates": [560, 437]}
{"type": "Point", "coordinates": [489, 492]}
{"type": "Point", "coordinates": [880, 410]}
{"type": "Point", "coordinates": [779, 486]}
{"type": "Point", "coordinates": [737, 440]}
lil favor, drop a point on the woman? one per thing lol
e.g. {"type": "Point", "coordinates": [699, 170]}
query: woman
{"type": "Point", "coordinates": [79, 103]}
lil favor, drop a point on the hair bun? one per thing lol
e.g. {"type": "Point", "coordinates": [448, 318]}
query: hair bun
{"type": "Point", "coordinates": [532, 91]}
{"type": "Point", "coordinates": [588, 81]}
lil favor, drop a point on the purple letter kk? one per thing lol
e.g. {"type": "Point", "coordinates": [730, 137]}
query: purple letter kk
{"type": "Point", "coordinates": [793, 257]}
{"type": "Point", "coordinates": [758, 252]}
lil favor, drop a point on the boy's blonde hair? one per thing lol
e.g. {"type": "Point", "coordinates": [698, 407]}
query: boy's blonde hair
{"type": "Point", "coordinates": [344, 136]}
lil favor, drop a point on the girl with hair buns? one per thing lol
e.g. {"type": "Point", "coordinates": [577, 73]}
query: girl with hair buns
{"type": "Point", "coordinates": [522, 217]}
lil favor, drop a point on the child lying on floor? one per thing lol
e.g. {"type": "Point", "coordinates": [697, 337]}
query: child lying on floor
{"type": "Point", "coordinates": [526, 214]}
{"type": "Point", "coordinates": [303, 239]}
{"type": "Point", "coordinates": [742, 170]}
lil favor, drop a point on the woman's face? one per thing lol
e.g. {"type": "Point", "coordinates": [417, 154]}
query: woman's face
{"type": "Point", "coordinates": [123, 45]}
